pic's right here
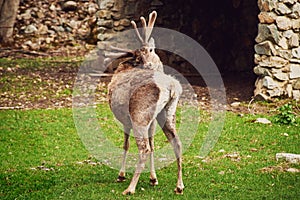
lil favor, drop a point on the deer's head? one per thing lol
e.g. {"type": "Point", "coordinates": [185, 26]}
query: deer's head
{"type": "Point", "coordinates": [149, 58]}
{"type": "Point", "coordinates": [146, 54]}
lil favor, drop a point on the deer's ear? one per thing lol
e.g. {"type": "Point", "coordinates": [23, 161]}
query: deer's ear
{"type": "Point", "coordinates": [151, 42]}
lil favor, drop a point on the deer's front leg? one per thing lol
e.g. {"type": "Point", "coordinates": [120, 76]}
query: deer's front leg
{"type": "Point", "coordinates": [144, 149]}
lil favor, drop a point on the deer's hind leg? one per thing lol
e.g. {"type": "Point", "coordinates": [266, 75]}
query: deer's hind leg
{"type": "Point", "coordinates": [142, 142]}
{"type": "Point", "coordinates": [153, 177]}
{"type": "Point", "coordinates": [167, 122]}
{"type": "Point", "coordinates": [122, 172]}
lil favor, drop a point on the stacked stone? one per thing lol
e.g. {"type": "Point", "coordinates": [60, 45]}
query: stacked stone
{"type": "Point", "coordinates": [114, 16]}
{"type": "Point", "coordinates": [277, 49]}
{"type": "Point", "coordinates": [43, 25]}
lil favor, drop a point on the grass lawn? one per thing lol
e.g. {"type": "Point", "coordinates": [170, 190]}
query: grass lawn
{"type": "Point", "coordinates": [42, 157]}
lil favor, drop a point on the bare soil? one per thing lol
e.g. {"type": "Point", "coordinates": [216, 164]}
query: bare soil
{"type": "Point", "coordinates": [51, 87]}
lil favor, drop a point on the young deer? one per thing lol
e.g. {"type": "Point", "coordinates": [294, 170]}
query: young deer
{"type": "Point", "coordinates": [140, 95]}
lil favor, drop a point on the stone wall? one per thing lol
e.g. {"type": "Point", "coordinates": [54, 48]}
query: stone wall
{"type": "Point", "coordinates": [277, 52]}
{"type": "Point", "coordinates": [228, 34]}
{"type": "Point", "coordinates": [115, 16]}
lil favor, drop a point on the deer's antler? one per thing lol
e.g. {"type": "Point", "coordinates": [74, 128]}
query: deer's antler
{"type": "Point", "coordinates": [147, 29]}
{"type": "Point", "coordinates": [146, 53]}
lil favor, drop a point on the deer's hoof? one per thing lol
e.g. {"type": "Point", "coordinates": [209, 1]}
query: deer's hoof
{"type": "Point", "coordinates": [178, 190]}
{"type": "Point", "coordinates": [121, 179]}
{"type": "Point", "coordinates": [128, 192]}
{"type": "Point", "coordinates": [153, 182]}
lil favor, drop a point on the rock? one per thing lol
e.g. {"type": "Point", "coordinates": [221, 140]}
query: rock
{"type": "Point", "coordinates": [283, 9]}
{"type": "Point", "coordinates": [295, 11]}
{"type": "Point", "coordinates": [267, 5]}
{"type": "Point", "coordinates": [288, 34]}
{"type": "Point", "coordinates": [296, 84]}
{"type": "Point", "coordinates": [92, 8]}
{"type": "Point", "coordinates": [263, 121]}
{"type": "Point", "coordinates": [119, 28]}
{"type": "Point", "coordinates": [296, 52]}
{"type": "Point", "coordinates": [289, 2]}
{"type": "Point", "coordinates": [51, 32]}
{"type": "Point", "coordinates": [106, 4]}
{"type": "Point", "coordinates": [267, 32]}
{"type": "Point", "coordinates": [261, 97]}
{"type": "Point", "coordinates": [276, 92]}
{"type": "Point", "coordinates": [289, 90]}
{"type": "Point", "coordinates": [69, 6]}
{"type": "Point", "coordinates": [283, 42]}
{"type": "Point", "coordinates": [296, 24]}
{"type": "Point", "coordinates": [43, 29]}
{"type": "Point", "coordinates": [49, 40]}
{"type": "Point", "coordinates": [258, 58]}
{"type": "Point", "coordinates": [296, 94]}
{"type": "Point", "coordinates": [289, 157]}
{"type": "Point", "coordinates": [103, 37]}
{"type": "Point", "coordinates": [222, 151]}
{"type": "Point", "coordinates": [33, 46]}
{"type": "Point", "coordinates": [265, 48]}
{"type": "Point", "coordinates": [234, 155]}
{"type": "Point", "coordinates": [294, 71]}
{"type": "Point", "coordinates": [294, 40]}
{"type": "Point", "coordinates": [273, 61]}
{"type": "Point", "coordinates": [116, 15]}
{"type": "Point", "coordinates": [274, 33]}
{"type": "Point", "coordinates": [26, 15]}
{"type": "Point", "coordinates": [266, 17]}
{"type": "Point", "coordinates": [116, 23]}
{"type": "Point", "coordinates": [27, 44]}
{"type": "Point", "coordinates": [74, 24]}
{"type": "Point", "coordinates": [104, 14]}
{"type": "Point", "coordinates": [82, 31]}
{"type": "Point", "coordinates": [125, 22]}
{"type": "Point", "coordinates": [58, 28]}
{"type": "Point", "coordinates": [286, 54]}
{"type": "Point", "coordinates": [269, 83]}
{"type": "Point", "coordinates": [30, 29]}
{"type": "Point", "coordinates": [293, 170]}
{"type": "Point", "coordinates": [52, 7]}
{"type": "Point", "coordinates": [40, 14]}
{"type": "Point", "coordinates": [105, 23]}
{"type": "Point", "coordinates": [294, 60]}
{"type": "Point", "coordinates": [261, 71]}
{"type": "Point", "coordinates": [263, 33]}
{"type": "Point", "coordinates": [283, 23]}
{"type": "Point", "coordinates": [101, 30]}
{"type": "Point", "coordinates": [281, 76]}
{"type": "Point", "coordinates": [235, 104]}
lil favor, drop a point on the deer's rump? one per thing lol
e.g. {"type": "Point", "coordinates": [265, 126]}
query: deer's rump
{"type": "Point", "coordinates": [139, 95]}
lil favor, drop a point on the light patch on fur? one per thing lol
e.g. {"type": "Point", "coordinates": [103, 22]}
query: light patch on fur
{"type": "Point", "coordinates": [169, 83]}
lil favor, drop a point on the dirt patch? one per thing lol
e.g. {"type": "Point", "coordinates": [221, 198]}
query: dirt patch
{"type": "Point", "coordinates": [47, 82]}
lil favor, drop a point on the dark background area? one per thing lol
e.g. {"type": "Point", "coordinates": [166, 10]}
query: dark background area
{"type": "Point", "coordinates": [226, 29]}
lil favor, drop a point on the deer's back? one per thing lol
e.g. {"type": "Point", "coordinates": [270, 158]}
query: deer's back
{"type": "Point", "coordinates": [139, 95]}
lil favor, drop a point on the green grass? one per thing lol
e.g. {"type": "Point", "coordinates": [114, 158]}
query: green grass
{"type": "Point", "coordinates": [42, 157]}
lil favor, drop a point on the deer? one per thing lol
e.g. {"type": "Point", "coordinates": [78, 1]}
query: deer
{"type": "Point", "coordinates": [140, 95]}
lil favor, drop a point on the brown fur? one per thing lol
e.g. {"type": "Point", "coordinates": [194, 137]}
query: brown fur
{"type": "Point", "coordinates": [139, 94]}
{"type": "Point", "coordinates": [142, 103]}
